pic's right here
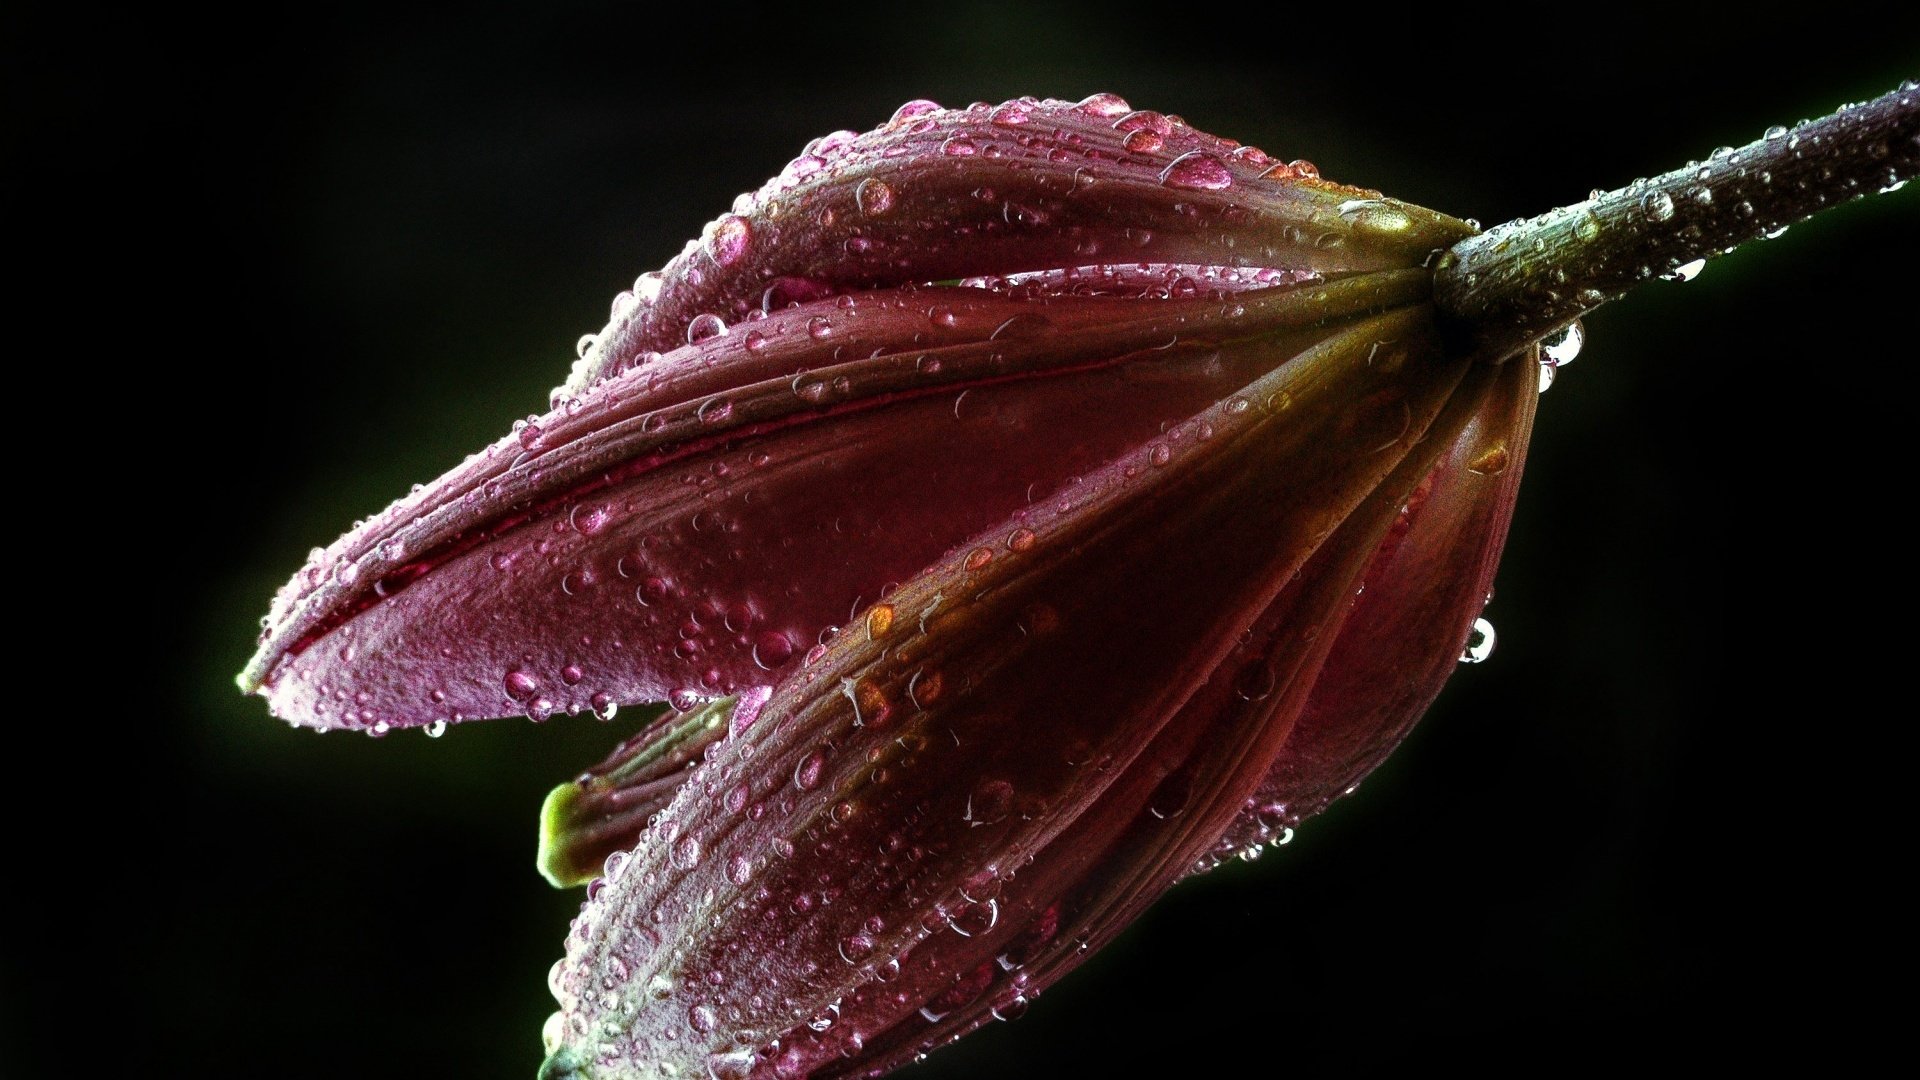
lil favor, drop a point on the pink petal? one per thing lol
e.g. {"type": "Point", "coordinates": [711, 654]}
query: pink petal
{"type": "Point", "coordinates": [689, 527]}
{"type": "Point", "coordinates": [1053, 712]}
{"type": "Point", "coordinates": [1404, 637]}
{"type": "Point", "coordinates": [1028, 185]}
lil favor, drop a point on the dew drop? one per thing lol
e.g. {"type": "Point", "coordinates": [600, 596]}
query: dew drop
{"type": "Point", "coordinates": [1491, 462]}
{"type": "Point", "coordinates": [739, 868]}
{"type": "Point", "coordinates": [1375, 215]}
{"type": "Point", "coordinates": [1197, 170]}
{"type": "Point", "coordinates": [730, 1065]}
{"type": "Point", "coordinates": [989, 803]}
{"type": "Point", "coordinates": [973, 920]}
{"type": "Point", "coordinates": [521, 686]}
{"type": "Point", "coordinates": [1479, 642]}
{"type": "Point", "coordinates": [811, 769]}
{"type": "Point", "coordinates": [436, 729]}
{"type": "Point", "coordinates": [1105, 106]}
{"type": "Point", "coordinates": [729, 240]}
{"type": "Point", "coordinates": [603, 706]}
{"type": "Point", "coordinates": [1686, 271]}
{"type": "Point", "coordinates": [704, 328]}
{"type": "Point", "coordinates": [1563, 346]}
{"type": "Point", "coordinates": [1658, 205]}
{"type": "Point", "coordinates": [873, 197]}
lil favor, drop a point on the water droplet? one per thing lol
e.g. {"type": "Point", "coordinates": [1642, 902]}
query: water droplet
{"type": "Point", "coordinates": [810, 770]}
{"type": "Point", "coordinates": [989, 803]}
{"type": "Point", "coordinates": [819, 328]}
{"type": "Point", "coordinates": [730, 1065]}
{"type": "Point", "coordinates": [1658, 205]}
{"type": "Point", "coordinates": [739, 869]}
{"type": "Point", "coordinates": [856, 948]}
{"type": "Point", "coordinates": [1491, 462]}
{"type": "Point", "coordinates": [729, 240]}
{"type": "Point", "coordinates": [873, 197]}
{"type": "Point", "coordinates": [1255, 682]}
{"type": "Point", "coordinates": [1561, 347]}
{"type": "Point", "coordinates": [1106, 106]}
{"type": "Point", "coordinates": [521, 685]}
{"type": "Point", "coordinates": [436, 729]}
{"type": "Point", "coordinates": [809, 387]}
{"type": "Point", "coordinates": [1777, 131]}
{"type": "Point", "coordinates": [1020, 540]}
{"type": "Point", "coordinates": [705, 327]}
{"type": "Point", "coordinates": [714, 410]}
{"type": "Point", "coordinates": [686, 852]}
{"type": "Point", "coordinates": [879, 621]}
{"type": "Point", "coordinates": [1586, 226]}
{"type": "Point", "coordinates": [1197, 170]}
{"type": "Point", "coordinates": [603, 706]}
{"type": "Point", "coordinates": [685, 699]}
{"type": "Point", "coordinates": [958, 146]}
{"type": "Point", "coordinates": [585, 345]}
{"type": "Point", "coordinates": [1479, 642]}
{"type": "Point", "coordinates": [913, 110]}
{"type": "Point", "coordinates": [1686, 271]}
{"type": "Point", "coordinates": [973, 920]}
{"type": "Point", "coordinates": [1375, 215]}
{"type": "Point", "coordinates": [1143, 141]}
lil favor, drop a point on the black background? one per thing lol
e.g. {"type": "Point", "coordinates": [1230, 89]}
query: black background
{"type": "Point", "coordinates": [280, 266]}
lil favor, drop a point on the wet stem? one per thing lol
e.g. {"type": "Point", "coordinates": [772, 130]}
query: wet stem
{"type": "Point", "coordinates": [1520, 281]}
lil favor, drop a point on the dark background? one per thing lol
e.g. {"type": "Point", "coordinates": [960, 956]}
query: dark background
{"type": "Point", "coordinates": [279, 267]}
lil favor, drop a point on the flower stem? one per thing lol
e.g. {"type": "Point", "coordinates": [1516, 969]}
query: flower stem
{"type": "Point", "coordinates": [1520, 281]}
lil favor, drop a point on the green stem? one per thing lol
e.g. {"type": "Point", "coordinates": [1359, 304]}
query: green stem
{"type": "Point", "coordinates": [1518, 282]}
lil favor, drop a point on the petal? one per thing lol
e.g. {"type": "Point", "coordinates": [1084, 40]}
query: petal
{"type": "Point", "coordinates": [1029, 185]}
{"type": "Point", "coordinates": [1069, 673]}
{"type": "Point", "coordinates": [1051, 921]}
{"type": "Point", "coordinates": [688, 528]}
{"type": "Point", "coordinates": [1428, 583]}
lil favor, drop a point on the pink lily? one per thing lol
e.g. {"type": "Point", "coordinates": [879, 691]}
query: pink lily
{"type": "Point", "coordinates": [1171, 554]}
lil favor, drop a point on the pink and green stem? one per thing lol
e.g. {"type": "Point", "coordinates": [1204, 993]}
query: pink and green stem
{"type": "Point", "coordinates": [1520, 281]}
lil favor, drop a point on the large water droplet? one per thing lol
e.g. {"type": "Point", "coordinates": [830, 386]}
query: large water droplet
{"type": "Point", "coordinates": [873, 197]}
{"type": "Point", "coordinates": [810, 771]}
{"type": "Point", "coordinates": [705, 327]}
{"type": "Point", "coordinates": [1686, 271]}
{"type": "Point", "coordinates": [729, 240]}
{"type": "Point", "coordinates": [521, 686]}
{"type": "Point", "coordinates": [1197, 170]}
{"type": "Point", "coordinates": [1563, 346]}
{"type": "Point", "coordinates": [1479, 642]}
{"type": "Point", "coordinates": [1106, 106]}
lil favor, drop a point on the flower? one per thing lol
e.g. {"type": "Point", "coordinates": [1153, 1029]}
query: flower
{"type": "Point", "coordinates": [1139, 562]}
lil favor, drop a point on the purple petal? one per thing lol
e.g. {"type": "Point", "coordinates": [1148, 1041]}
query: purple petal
{"type": "Point", "coordinates": [1409, 625]}
{"type": "Point", "coordinates": [1028, 185]}
{"type": "Point", "coordinates": [689, 527]}
{"type": "Point", "coordinates": [1058, 702]}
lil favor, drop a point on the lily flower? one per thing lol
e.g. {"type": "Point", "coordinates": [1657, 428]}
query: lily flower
{"type": "Point", "coordinates": [1020, 507]}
